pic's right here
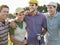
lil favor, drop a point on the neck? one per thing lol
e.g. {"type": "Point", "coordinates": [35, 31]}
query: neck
{"type": "Point", "coordinates": [1, 19]}
{"type": "Point", "coordinates": [17, 20]}
{"type": "Point", "coordinates": [34, 13]}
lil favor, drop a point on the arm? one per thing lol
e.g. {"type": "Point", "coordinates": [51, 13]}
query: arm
{"type": "Point", "coordinates": [14, 41]}
{"type": "Point", "coordinates": [44, 25]}
{"type": "Point", "coordinates": [44, 30]}
{"type": "Point", "coordinates": [11, 33]}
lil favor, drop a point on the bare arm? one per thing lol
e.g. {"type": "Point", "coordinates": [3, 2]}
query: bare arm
{"type": "Point", "coordinates": [44, 30]}
{"type": "Point", "coordinates": [14, 41]}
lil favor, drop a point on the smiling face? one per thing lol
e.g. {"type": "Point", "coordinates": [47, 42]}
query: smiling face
{"type": "Point", "coordinates": [20, 16]}
{"type": "Point", "coordinates": [33, 7]}
{"type": "Point", "coordinates": [51, 9]}
{"type": "Point", "coordinates": [4, 12]}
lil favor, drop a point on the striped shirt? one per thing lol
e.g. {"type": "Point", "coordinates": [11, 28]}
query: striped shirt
{"type": "Point", "coordinates": [4, 33]}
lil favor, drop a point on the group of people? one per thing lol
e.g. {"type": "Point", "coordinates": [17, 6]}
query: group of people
{"type": "Point", "coordinates": [41, 29]}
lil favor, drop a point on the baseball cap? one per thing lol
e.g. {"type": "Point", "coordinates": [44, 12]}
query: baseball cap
{"type": "Point", "coordinates": [52, 4]}
{"type": "Point", "coordinates": [33, 1]}
{"type": "Point", "coordinates": [18, 10]}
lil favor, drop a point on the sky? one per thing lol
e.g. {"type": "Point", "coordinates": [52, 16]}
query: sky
{"type": "Point", "coordinates": [13, 4]}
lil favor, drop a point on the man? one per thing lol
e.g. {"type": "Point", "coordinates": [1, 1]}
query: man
{"type": "Point", "coordinates": [35, 22]}
{"type": "Point", "coordinates": [4, 24]}
{"type": "Point", "coordinates": [53, 25]}
{"type": "Point", "coordinates": [17, 36]}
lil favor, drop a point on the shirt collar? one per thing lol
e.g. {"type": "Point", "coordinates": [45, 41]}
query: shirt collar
{"type": "Point", "coordinates": [2, 23]}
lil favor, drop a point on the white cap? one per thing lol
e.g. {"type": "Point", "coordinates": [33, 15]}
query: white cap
{"type": "Point", "coordinates": [52, 4]}
{"type": "Point", "coordinates": [18, 10]}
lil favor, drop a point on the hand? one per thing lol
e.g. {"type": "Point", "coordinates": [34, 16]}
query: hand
{"type": "Point", "coordinates": [23, 43]}
{"type": "Point", "coordinates": [13, 25]}
{"type": "Point", "coordinates": [31, 10]}
{"type": "Point", "coordinates": [26, 12]}
{"type": "Point", "coordinates": [20, 43]}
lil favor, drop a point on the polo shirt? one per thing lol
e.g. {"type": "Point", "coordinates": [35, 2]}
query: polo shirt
{"type": "Point", "coordinates": [34, 27]}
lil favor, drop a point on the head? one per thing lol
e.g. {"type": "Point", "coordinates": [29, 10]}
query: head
{"type": "Point", "coordinates": [33, 5]}
{"type": "Point", "coordinates": [51, 8]}
{"type": "Point", "coordinates": [4, 11]}
{"type": "Point", "coordinates": [20, 13]}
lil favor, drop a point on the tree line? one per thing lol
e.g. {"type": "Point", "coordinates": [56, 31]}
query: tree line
{"type": "Point", "coordinates": [44, 9]}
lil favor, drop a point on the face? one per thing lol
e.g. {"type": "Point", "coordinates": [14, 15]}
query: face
{"type": "Point", "coordinates": [32, 7]}
{"type": "Point", "coordinates": [51, 10]}
{"type": "Point", "coordinates": [20, 16]}
{"type": "Point", "coordinates": [4, 13]}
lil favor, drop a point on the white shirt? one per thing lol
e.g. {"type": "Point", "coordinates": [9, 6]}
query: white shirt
{"type": "Point", "coordinates": [19, 34]}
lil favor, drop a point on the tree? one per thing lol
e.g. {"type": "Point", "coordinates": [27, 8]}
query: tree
{"type": "Point", "coordinates": [11, 16]}
{"type": "Point", "coordinates": [58, 8]}
{"type": "Point", "coordinates": [26, 8]}
{"type": "Point", "coordinates": [44, 9]}
{"type": "Point", "coordinates": [40, 8]}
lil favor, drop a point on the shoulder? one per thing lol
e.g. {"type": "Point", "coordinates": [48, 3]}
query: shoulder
{"type": "Point", "coordinates": [58, 13]}
{"type": "Point", "coordinates": [42, 15]}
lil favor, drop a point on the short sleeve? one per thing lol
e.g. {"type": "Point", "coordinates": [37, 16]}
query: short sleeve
{"type": "Point", "coordinates": [59, 20]}
{"type": "Point", "coordinates": [11, 31]}
{"type": "Point", "coordinates": [44, 22]}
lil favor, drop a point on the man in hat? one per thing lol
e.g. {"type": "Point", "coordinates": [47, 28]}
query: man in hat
{"type": "Point", "coordinates": [17, 36]}
{"type": "Point", "coordinates": [53, 25]}
{"type": "Point", "coordinates": [35, 22]}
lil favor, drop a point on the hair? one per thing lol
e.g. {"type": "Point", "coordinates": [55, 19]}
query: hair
{"type": "Point", "coordinates": [3, 6]}
{"type": "Point", "coordinates": [36, 4]}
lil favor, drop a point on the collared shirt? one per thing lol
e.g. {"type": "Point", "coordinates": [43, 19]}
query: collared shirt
{"type": "Point", "coordinates": [53, 26]}
{"type": "Point", "coordinates": [34, 27]}
{"type": "Point", "coordinates": [4, 33]}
